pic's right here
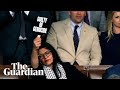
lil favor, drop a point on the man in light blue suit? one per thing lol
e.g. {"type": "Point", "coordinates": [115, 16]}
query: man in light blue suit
{"type": "Point", "coordinates": [96, 18]}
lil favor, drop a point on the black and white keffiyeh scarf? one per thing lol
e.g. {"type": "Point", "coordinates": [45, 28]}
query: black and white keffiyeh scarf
{"type": "Point", "coordinates": [49, 73]}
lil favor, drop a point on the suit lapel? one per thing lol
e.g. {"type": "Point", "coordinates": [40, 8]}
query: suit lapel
{"type": "Point", "coordinates": [69, 34]}
{"type": "Point", "coordinates": [82, 38]}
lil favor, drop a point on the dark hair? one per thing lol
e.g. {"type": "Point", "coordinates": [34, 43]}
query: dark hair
{"type": "Point", "coordinates": [56, 58]}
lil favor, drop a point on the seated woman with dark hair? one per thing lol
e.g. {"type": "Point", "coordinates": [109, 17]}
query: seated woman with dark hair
{"type": "Point", "coordinates": [44, 57]}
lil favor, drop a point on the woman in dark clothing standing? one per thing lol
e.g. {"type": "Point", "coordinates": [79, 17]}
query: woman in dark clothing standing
{"type": "Point", "coordinates": [44, 57]}
{"type": "Point", "coordinates": [110, 40]}
{"type": "Point", "coordinates": [16, 34]}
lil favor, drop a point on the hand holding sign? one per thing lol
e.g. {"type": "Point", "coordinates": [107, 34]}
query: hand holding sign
{"type": "Point", "coordinates": [37, 42]}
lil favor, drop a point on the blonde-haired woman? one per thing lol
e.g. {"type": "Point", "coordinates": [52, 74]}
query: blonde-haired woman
{"type": "Point", "coordinates": [110, 40]}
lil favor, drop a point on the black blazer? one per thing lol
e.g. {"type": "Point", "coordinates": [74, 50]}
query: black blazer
{"type": "Point", "coordinates": [71, 72]}
{"type": "Point", "coordinates": [10, 30]}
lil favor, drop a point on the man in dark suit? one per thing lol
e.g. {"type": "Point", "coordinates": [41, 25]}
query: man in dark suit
{"type": "Point", "coordinates": [15, 47]}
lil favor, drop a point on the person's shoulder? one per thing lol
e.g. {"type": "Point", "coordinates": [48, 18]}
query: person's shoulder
{"type": "Point", "coordinates": [60, 22]}
{"type": "Point", "coordinates": [73, 72]}
{"type": "Point", "coordinates": [90, 28]}
{"type": "Point", "coordinates": [68, 66]}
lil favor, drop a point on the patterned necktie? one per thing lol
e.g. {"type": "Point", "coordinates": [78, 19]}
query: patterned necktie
{"type": "Point", "coordinates": [75, 37]}
{"type": "Point", "coordinates": [86, 19]}
{"type": "Point", "coordinates": [22, 30]}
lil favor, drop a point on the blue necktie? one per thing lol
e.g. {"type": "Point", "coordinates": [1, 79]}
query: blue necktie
{"type": "Point", "coordinates": [22, 30]}
{"type": "Point", "coordinates": [75, 37]}
{"type": "Point", "coordinates": [86, 19]}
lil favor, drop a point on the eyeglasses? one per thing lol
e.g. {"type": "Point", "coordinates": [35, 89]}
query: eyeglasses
{"type": "Point", "coordinates": [47, 54]}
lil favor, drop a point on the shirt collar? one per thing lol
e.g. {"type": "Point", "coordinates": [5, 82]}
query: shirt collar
{"type": "Point", "coordinates": [73, 24]}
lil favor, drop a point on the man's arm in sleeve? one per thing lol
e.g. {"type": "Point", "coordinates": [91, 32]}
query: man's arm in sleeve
{"type": "Point", "coordinates": [95, 53]}
{"type": "Point", "coordinates": [52, 37]}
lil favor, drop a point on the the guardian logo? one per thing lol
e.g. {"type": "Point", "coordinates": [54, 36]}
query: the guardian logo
{"type": "Point", "coordinates": [19, 69]}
